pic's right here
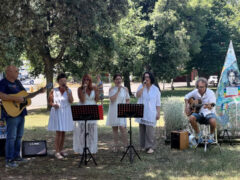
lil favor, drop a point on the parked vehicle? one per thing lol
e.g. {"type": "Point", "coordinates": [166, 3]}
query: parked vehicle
{"type": "Point", "coordinates": [28, 82]}
{"type": "Point", "coordinates": [213, 80]}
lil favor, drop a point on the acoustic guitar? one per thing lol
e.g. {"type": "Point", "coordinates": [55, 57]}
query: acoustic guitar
{"type": "Point", "coordinates": [196, 104]}
{"type": "Point", "coordinates": [13, 108]}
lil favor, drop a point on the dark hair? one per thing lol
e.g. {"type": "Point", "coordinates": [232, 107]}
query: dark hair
{"type": "Point", "coordinates": [116, 75]}
{"type": "Point", "coordinates": [203, 80]}
{"type": "Point", "coordinates": [152, 79]}
{"type": "Point", "coordinates": [60, 76]}
{"type": "Point", "coordinates": [231, 70]}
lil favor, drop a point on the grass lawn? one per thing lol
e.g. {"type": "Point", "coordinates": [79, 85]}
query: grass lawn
{"type": "Point", "coordinates": [165, 163]}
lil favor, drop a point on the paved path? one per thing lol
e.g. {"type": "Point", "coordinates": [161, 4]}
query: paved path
{"type": "Point", "coordinates": [41, 99]}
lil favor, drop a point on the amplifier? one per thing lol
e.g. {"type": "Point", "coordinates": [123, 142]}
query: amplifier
{"type": "Point", "coordinates": [179, 140]}
{"type": "Point", "coordinates": [34, 148]}
{"type": "Point", "coordinates": [2, 147]}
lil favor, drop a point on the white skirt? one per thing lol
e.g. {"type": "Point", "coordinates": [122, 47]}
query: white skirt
{"type": "Point", "coordinates": [60, 119]}
{"type": "Point", "coordinates": [79, 139]}
{"type": "Point", "coordinates": [112, 119]}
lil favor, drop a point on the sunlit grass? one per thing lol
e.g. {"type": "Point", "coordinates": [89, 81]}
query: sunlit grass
{"type": "Point", "coordinates": [164, 164]}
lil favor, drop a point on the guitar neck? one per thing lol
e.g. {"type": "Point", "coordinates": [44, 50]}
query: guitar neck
{"type": "Point", "coordinates": [31, 95]}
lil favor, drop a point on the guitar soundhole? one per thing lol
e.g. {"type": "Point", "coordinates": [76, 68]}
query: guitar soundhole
{"type": "Point", "coordinates": [23, 104]}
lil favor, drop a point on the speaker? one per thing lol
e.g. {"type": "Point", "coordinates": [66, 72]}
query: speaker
{"type": "Point", "coordinates": [34, 148]}
{"type": "Point", "coordinates": [2, 147]}
{"type": "Point", "coordinates": [179, 140]}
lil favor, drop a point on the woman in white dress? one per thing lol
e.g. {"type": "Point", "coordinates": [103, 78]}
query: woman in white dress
{"type": "Point", "coordinates": [88, 95]}
{"type": "Point", "coordinates": [60, 119]}
{"type": "Point", "coordinates": [117, 94]}
{"type": "Point", "coordinates": [149, 95]}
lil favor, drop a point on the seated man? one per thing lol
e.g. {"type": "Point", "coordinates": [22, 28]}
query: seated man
{"type": "Point", "coordinates": [206, 114]}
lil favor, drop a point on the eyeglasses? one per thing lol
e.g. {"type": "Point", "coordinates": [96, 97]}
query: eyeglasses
{"type": "Point", "coordinates": [201, 87]}
{"type": "Point", "coordinates": [86, 80]}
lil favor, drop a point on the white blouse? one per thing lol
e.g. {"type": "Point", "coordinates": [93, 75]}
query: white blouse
{"type": "Point", "coordinates": [150, 99]}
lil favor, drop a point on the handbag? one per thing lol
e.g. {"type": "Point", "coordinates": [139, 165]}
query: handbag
{"type": "Point", "coordinates": [34, 148]}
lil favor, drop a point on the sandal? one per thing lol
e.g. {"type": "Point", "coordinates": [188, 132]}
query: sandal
{"type": "Point", "coordinates": [115, 149]}
{"type": "Point", "coordinates": [59, 156]}
{"type": "Point", "coordinates": [64, 154]}
{"type": "Point", "coordinates": [150, 151]}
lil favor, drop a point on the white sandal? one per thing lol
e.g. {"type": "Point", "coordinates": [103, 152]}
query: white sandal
{"type": "Point", "coordinates": [150, 151]}
{"type": "Point", "coordinates": [59, 156]}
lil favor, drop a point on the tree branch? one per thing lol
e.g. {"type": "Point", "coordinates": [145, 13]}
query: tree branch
{"type": "Point", "coordinates": [60, 55]}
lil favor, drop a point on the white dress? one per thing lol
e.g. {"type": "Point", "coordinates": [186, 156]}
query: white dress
{"type": "Point", "coordinates": [60, 119]}
{"type": "Point", "coordinates": [112, 119]}
{"type": "Point", "coordinates": [79, 130]}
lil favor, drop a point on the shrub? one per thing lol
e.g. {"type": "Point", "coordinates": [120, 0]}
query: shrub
{"type": "Point", "coordinates": [174, 117]}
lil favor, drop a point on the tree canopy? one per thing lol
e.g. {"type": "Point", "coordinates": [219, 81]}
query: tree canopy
{"type": "Point", "coordinates": [166, 37]}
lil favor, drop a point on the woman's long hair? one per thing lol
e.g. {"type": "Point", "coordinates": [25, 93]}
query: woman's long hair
{"type": "Point", "coordinates": [88, 90]}
{"type": "Point", "coordinates": [89, 87]}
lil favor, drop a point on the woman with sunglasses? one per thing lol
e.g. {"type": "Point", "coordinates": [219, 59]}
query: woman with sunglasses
{"type": "Point", "coordinates": [117, 94]}
{"type": "Point", "coordinates": [88, 95]}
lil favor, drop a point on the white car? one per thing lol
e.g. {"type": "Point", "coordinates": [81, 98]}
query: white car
{"type": "Point", "coordinates": [28, 82]}
{"type": "Point", "coordinates": [213, 80]}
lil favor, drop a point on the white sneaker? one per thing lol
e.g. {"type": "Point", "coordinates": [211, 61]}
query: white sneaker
{"type": "Point", "coordinates": [211, 138]}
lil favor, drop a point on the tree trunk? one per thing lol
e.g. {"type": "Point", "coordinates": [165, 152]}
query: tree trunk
{"type": "Point", "coordinates": [172, 87]}
{"type": "Point", "coordinates": [156, 83]}
{"type": "Point", "coordinates": [188, 80]}
{"type": "Point", "coordinates": [127, 84]}
{"type": "Point", "coordinates": [49, 77]}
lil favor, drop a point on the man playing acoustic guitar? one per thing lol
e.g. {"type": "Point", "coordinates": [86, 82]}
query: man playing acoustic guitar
{"type": "Point", "coordinates": [206, 114]}
{"type": "Point", "coordinates": [15, 125]}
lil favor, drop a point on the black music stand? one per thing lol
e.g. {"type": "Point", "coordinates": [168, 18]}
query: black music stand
{"type": "Point", "coordinates": [85, 113]}
{"type": "Point", "coordinates": [130, 110]}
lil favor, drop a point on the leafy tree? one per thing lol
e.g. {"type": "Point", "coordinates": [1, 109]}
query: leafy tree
{"type": "Point", "coordinates": [214, 44]}
{"type": "Point", "coordinates": [171, 39]}
{"type": "Point", "coordinates": [10, 50]}
{"type": "Point", "coordinates": [129, 44]}
{"type": "Point", "coordinates": [53, 32]}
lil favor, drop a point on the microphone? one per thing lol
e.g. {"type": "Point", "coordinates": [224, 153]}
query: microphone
{"type": "Point", "coordinates": [84, 88]}
{"type": "Point", "coordinates": [144, 82]}
{"type": "Point", "coordinates": [65, 86]}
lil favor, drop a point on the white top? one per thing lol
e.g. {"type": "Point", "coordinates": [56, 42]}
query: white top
{"type": "Point", "coordinates": [112, 119]}
{"type": "Point", "coordinates": [89, 100]}
{"type": "Point", "coordinates": [207, 98]}
{"type": "Point", "coordinates": [60, 119]}
{"type": "Point", "coordinates": [150, 99]}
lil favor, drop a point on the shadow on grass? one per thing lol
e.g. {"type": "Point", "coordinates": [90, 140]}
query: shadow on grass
{"type": "Point", "coordinates": [165, 163]}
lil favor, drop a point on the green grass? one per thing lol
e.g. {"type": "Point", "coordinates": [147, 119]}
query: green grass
{"type": "Point", "coordinates": [164, 164]}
